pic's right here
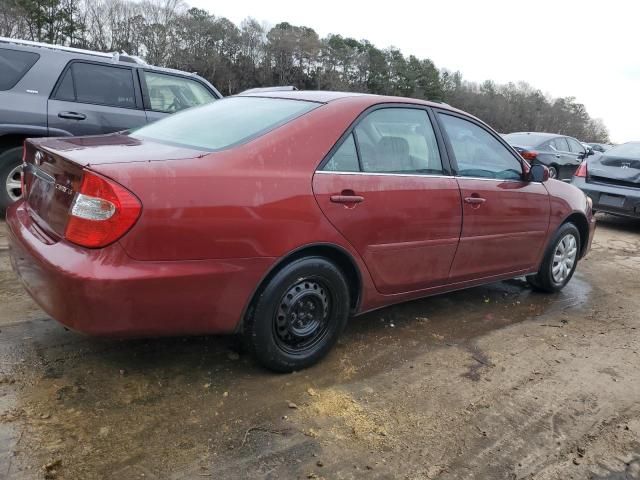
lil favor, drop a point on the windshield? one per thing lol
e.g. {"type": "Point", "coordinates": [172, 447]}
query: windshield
{"type": "Point", "coordinates": [224, 123]}
{"type": "Point", "coordinates": [524, 139]}
{"type": "Point", "coordinates": [626, 150]}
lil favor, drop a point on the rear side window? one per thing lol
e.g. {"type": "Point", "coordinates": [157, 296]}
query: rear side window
{"type": "Point", "coordinates": [345, 159]}
{"type": "Point", "coordinates": [560, 144]}
{"type": "Point", "coordinates": [224, 123]}
{"type": "Point", "coordinates": [398, 140]}
{"type": "Point", "coordinates": [14, 65]}
{"type": "Point", "coordinates": [170, 93]}
{"type": "Point", "coordinates": [97, 84]}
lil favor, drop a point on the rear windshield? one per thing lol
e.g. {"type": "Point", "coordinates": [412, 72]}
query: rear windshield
{"type": "Point", "coordinates": [626, 150]}
{"type": "Point", "coordinates": [524, 139]}
{"type": "Point", "coordinates": [13, 65]}
{"type": "Point", "coordinates": [224, 123]}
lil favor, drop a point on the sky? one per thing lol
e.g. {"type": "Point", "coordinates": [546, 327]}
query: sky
{"type": "Point", "coordinates": [585, 49]}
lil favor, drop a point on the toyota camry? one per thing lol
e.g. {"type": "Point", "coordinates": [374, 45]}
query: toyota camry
{"type": "Point", "coordinates": [278, 215]}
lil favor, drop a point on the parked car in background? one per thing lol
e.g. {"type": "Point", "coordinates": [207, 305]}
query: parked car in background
{"type": "Point", "coordinates": [600, 147]}
{"type": "Point", "coordinates": [279, 214]}
{"type": "Point", "coordinates": [48, 90]}
{"type": "Point", "coordinates": [559, 153]}
{"type": "Point", "coordinates": [612, 180]}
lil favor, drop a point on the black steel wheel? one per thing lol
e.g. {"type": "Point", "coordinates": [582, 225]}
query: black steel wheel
{"type": "Point", "coordinates": [298, 315]}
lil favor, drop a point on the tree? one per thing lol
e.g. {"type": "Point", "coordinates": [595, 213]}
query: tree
{"type": "Point", "coordinates": [168, 33]}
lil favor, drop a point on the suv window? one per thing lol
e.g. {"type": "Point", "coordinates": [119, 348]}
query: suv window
{"type": "Point", "coordinates": [345, 159]}
{"type": "Point", "coordinates": [397, 140]}
{"type": "Point", "coordinates": [225, 123]}
{"type": "Point", "coordinates": [575, 146]}
{"type": "Point", "coordinates": [97, 84]}
{"type": "Point", "coordinates": [13, 66]}
{"type": "Point", "coordinates": [560, 144]}
{"type": "Point", "coordinates": [171, 93]}
{"type": "Point", "coordinates": [477, 152]}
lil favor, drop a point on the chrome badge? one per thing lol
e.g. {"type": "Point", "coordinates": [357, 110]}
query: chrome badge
{"type": "Point", "coordinates": [625, 164]}
{"type": "Point", "coordinates": [38, 158]}
{"type": "Point", "coordinates": [64, 189]}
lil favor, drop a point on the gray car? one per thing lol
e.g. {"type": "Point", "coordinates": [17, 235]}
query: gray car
{"type": "Point", "coordinates": [48, 90]}
{"type": "Point", "coordinates": [612, 180]}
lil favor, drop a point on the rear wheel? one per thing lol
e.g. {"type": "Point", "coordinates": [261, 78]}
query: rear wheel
{"type": "Point", "coordinates": [560, 260]}
{"type": "Point", "coordinates": [10, 177]}
{"type": "Point", "coordinates": [298, 316]}
{"type": "Point", "coordinates": [553, 171]}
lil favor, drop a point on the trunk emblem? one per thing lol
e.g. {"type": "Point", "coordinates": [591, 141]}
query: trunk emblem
{"type": "Point", "coordinates": [64, 189]}
{"type": "Point", "coordinates": [38, 158]}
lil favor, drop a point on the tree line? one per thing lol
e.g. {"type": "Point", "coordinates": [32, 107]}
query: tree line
{"type": "Point", "coordinates": [236, 57]}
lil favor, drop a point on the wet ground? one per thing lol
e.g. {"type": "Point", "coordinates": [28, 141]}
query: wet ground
{"type": "Point", "coordinates": [490, 383]}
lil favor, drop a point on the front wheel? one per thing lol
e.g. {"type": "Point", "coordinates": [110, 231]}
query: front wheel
{"type": "Point", "coordinates": [298, 316]}
{"type": "Point", "coordinates": [560, 260]}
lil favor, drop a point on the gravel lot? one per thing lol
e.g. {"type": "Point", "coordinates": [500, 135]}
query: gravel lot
{"type": "Point", "coordinates": [492, 382]}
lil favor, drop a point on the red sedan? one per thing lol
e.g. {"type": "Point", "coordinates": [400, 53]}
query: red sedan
{"type": "Point", "coordinates": [278, 215]}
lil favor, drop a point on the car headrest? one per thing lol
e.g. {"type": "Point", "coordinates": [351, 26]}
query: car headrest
{"type": "Point", "coordinates": [397, 147]}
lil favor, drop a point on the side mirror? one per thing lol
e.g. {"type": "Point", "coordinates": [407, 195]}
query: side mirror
{"type": "Point", "coordinates": [538, 173]}
{"type": "Point", "coordinates": [590, 152]}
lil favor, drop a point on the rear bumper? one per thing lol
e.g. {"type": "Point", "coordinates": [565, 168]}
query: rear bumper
{"type": "Point", "coordinates": [630, 197]}
{"type": "Point", "coordinates": [106, 293]}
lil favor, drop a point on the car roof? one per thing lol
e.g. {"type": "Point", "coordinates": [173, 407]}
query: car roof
{"type": "Point", "coordinates": [70, 53]}
{"type": "Point", "coordinates": [538, 134]}
{"type": "Point", "coordinates": [326, 96]}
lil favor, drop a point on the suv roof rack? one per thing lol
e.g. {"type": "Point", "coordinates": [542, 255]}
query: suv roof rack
{"type": "Point", "coordinates": [286, 88]}
{"type": "Point", "coordinates": [115, 56]}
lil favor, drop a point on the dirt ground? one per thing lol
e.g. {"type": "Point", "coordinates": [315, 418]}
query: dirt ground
{"type": "Point", "coordinates": [496, 382]}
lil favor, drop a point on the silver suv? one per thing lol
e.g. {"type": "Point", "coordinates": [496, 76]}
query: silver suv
{"type": "Point", "coordinates": [48, 90]}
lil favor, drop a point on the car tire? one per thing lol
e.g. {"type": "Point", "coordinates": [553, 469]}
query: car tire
{"type": "Point", "coordinates": [298, 316]}
{"type": "Point", "coordinates": [560, 260]}
{"type": "Point", "coordinates": [9, 160]}
{"type": "Point", "coordinates": [553, 171]}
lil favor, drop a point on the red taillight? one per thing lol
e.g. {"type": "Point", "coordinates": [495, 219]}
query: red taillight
{"type": "Point", "coordinates": [529, 154]}
{"type": "Point", "coordinates": [101, 212]}
{"type": "Point", "coordinates": [582, 170]}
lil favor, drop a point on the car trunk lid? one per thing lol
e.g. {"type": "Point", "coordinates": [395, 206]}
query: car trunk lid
{"type": "Point", "coordinates": [615, 170]}
{"type": "Point", "coordinates": [54, 169]}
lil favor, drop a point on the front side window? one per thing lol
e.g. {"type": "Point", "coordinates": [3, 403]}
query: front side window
{"type": "Point", "coordinates": [14, 65]}
{"type": "Point", "coordinates": [575, 146]}
{"type": "Point", "coordinates": [345, 158]}
{"type": "Point", "coordinates": [224, 123]}
{"type": "Point", "coordinates": [171, 93]}
{"type": "Point", "coordinates": [477, 152]}
{"type": "Point", "coordinates": [97, 84]}
{"type": "Point", "coordinates": [398, 140]}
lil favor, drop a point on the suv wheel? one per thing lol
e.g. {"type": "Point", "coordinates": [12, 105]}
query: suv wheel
{"type": "Point", "coordinates": [298, 316]}
{"type": "Point", "coordinates": [10, 173]}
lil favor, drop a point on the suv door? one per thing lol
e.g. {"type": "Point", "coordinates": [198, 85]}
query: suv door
{"type": "Point", "coordinates": [166, 93]}
{"type": "Point", "coordinates": [93, 98]}
{"type": "Point", "coordinates": [505, 218]}
{"type": "Point", "coordinates": [385, 188]}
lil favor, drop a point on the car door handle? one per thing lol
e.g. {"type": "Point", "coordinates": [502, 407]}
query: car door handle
{"type": "Point", "coordinates": [557, 155]}
{"type": "Point", "coordinates": [475, 200]}
{"type": "Point", "coordinates": [72, 115]}
{"type": "Point", "coordinates": [347, 199]}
